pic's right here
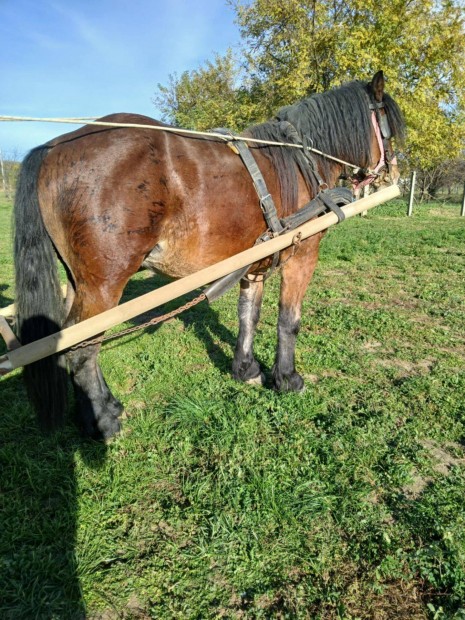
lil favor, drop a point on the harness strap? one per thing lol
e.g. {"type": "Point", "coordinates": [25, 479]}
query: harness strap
{"type": "Point", "coordinates": [382, 143]}
{"type": "Point", "coordinates": [325, 197]}
{"type": "Point", "coordinates": [385, 130]}
{"type": "Point", "coordinates": [292, 135]}
{"type": "Point", "coordinates": [333, 199]}
{"type": "Point", "coordinates": [266, 201]}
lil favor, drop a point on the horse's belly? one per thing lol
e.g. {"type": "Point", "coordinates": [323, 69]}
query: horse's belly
{"type": "Point", "coordinates": [177, 259]}
{"type": "Point", "coordinates": [161, 260]}
{"type": "Point", "coordinates": [172, 261]}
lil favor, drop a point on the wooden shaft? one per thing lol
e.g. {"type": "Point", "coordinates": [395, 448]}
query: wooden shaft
{"type": "Point", "coordinates": [9, 311]}
{"type": "Point", "coordinates": [8, 336]}
{"type": "Point", "coordinates": [96, 325]}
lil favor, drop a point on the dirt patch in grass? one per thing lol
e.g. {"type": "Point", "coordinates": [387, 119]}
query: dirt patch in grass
{"type": "Point", "coordinates": [397, 600]}
{"type": "Point", "coordinates": [406, 368]}
{"type": "Point", "coordinates": [443, 461]}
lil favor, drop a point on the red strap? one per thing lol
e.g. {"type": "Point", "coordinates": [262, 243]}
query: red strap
{"type": "Point", "coordinates": [356, 185]}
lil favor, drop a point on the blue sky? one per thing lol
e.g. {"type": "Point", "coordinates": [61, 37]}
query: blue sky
{"type": "Point", "coordinates": [80, 58]}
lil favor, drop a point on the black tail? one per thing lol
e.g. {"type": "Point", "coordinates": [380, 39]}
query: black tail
{"type": "Point", "coordinates": [39, 302]}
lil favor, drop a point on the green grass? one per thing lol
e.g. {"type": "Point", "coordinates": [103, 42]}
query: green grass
{"type": "Point", "coordinates": [221, 500]}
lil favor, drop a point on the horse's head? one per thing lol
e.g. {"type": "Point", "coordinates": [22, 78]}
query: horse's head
{"type": "Point", "coordinates": [387, 123]}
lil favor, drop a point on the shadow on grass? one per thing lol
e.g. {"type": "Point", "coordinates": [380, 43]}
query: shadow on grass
{"type": "Point", "coordinates": [39, 575]}
{"type": "Point", "coordinates": [204, 319]}
{"type": "Point", "coordinates": [4, 301]}
{"type": "Point", "coordinates": [38, 512]}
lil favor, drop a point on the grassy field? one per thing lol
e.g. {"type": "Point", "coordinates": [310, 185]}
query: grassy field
{"type": "Point", "coordinates": [221, 500]}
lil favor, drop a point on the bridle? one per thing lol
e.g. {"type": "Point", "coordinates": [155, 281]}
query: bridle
{"type": "Point", "coordinates": [388, 158]}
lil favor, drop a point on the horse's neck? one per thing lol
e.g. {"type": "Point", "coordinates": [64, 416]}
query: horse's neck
{"type": "Point", "coordinates": [330, 179]}
{"type": "Point", "coordinates": [335, 173]}
{"type": "Point", "coordinates": [305, 194]}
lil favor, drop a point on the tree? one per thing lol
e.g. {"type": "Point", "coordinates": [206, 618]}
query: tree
{"type": "Point", "coordinates": [448, 175]}
{"type": "Point", "coordinates": [208, 97]}
{"type": "Point", "coordinates": [9, 170]}
{"type": "Point", "coordinates": [298, 47]}
{"type": "Point", "coordinates": [293, 48]}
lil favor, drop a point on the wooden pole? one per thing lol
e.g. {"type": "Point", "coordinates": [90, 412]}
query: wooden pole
{"type": "Point", "coordinates": [9, 311]}
{"type": "Point", "coordinates": [413, 179]}
{"type": "Point", "coordinates": [70, 336]}
{"type": "Point", "coordinates": [3, 174]}
{"type": "Point", "coordinates": [462, 210]}
{"type": "Point", "coordinates": [366, 192]}
{"type": "Point", "coordinates": [8, 336]}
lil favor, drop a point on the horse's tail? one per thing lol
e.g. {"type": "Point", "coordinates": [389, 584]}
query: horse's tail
{"type": "Point", "coordinates": [39, 302]}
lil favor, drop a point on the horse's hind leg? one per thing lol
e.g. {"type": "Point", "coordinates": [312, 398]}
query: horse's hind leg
{"type": "Point", "coordinates": [245, 366]}
{"type": "Point", "coordinates": [296, 275]}
{"type": "Point", "coordinates": [97, 410]}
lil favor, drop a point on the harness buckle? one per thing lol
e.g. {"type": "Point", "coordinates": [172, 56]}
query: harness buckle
{"type": "Point", "coordinates": [263, 200]}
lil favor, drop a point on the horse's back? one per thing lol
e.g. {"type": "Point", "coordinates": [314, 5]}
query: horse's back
{"type": "Point", "coordinates": [118, 118]}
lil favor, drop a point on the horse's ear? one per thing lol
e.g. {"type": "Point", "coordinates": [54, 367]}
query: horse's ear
{"type": "Point", "coordinates": [377, 84]}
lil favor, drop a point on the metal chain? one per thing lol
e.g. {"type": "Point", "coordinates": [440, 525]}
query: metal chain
{"type": "Point", "coordinates": [296, 242]}
{"type": "Point", "coordinates": [169, 315]}
{"type": "Point", "coordinates": [130, 330]}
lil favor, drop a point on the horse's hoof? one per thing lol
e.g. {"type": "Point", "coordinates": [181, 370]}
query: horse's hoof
{"type": "Point", "coordinates": [102, 428]}
{"type": "Point", "coordinates": [248, 372]}
{"type": "Point", "coordinates": [258, 380]}
{"type": "Point", "coordinates": [289, 383]}
{"type": "Point", "coordinates": [107, 428]}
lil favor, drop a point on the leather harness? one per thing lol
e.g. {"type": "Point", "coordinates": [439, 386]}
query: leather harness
{"type": "Point", "coordinates": [326, 199]}
{"type": "Point", "coordinates": [383, 134]}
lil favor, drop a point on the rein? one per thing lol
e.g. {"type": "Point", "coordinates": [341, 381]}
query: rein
{"type": "Point", "coordinates": [383, 134]}
{"type": "Point", "coordinates": [178, 130]}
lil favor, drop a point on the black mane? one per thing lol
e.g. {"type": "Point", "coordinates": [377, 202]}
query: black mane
{"type": "Point", "coordinates": [337, 122]}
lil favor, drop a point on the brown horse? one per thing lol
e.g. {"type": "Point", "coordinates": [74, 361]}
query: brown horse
{"type": "Point", "coordinates": [108, 201]}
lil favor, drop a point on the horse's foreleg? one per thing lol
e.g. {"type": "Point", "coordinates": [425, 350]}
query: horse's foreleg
{"type": "Point", "coordinates": [245, 366]}
{"type": "Point", "coordinates": [296, 275]}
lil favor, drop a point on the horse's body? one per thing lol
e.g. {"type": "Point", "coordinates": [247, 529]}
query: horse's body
{"type": "Point", "coordinates": [113, 200]}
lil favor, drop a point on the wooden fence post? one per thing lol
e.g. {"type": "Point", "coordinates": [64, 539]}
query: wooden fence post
{"type": "Point", "coordinates": [3, 174]}
{"type": "Point", "coordinates": [412, 192]}
{"type": "Point", "coordinates": [462, 210]}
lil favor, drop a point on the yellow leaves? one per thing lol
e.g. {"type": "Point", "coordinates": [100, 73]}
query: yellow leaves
{"type": "Point", "coordinates": [433, 137]}
{"type": "Point", "coordinates": [292, 48]}
{"type": "Point", "coordinates": [420, 44]}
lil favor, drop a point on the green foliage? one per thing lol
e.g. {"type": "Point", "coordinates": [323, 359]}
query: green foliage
{"type": "Point", "coordinates": [206, 98]}
{"type": "Point", "coordinates": [295, 48]}
{"type": "Point", "coordinates": [224, 500]}
{"type": "Point", "coordinates": [9, 172]}
{"type": "Point", "coordinates": [300, 47]}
